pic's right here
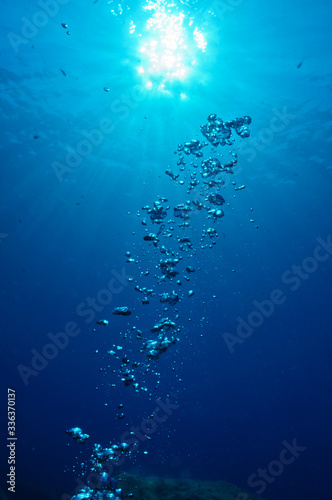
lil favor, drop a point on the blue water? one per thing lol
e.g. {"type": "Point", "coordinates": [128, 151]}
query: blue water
{"type": "Point", "coordinates": [240, 398]}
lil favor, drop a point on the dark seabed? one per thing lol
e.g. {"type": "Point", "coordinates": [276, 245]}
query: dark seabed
{"type": "Point", "coordinates": [165, 249]}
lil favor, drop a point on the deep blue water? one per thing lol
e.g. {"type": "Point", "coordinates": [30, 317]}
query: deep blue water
{"type": "Point", "coordinates": [64, 235]}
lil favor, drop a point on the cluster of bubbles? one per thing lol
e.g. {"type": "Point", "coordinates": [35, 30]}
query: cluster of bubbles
{"type": "Point", "coordinates": [168, 234]}
{"type": "Point", "coordinates": [106, 489]}
{"type": "Point", "coordinates": [78, 435]}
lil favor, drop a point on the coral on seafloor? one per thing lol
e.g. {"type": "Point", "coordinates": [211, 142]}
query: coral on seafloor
{"type": "Point", "coordinates": [158, 488]}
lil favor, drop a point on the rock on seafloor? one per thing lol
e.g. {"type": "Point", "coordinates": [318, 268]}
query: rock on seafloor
{"type": "Point", "coordinates": [158, 488]}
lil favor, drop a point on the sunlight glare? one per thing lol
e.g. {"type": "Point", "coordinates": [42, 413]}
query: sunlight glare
{"type": "Point", "coordinates": [169, 44]}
